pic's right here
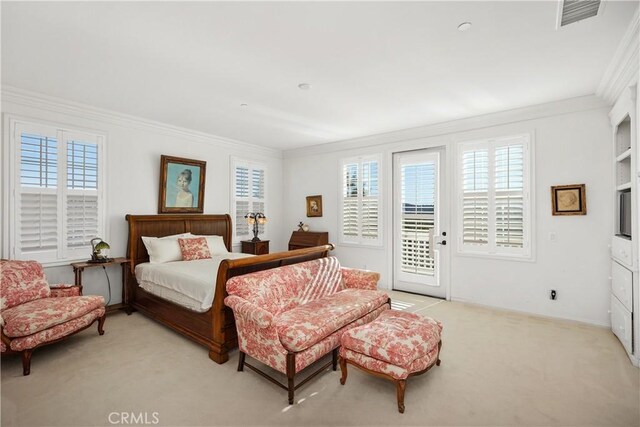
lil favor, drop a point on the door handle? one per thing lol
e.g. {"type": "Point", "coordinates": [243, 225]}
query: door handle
{"type": "Point", "coordinates": [432, 241]}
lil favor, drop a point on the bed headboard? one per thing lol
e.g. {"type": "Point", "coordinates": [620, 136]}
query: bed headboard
{"type": "Point", "coordinates": [166, 225]}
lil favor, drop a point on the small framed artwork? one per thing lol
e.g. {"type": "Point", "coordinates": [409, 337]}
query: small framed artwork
{"type": "Point", "coordinates": [314, 205]}
{"type": "Point", "coordinates": [181, 185]}
{"type": "Point", "coordinates": [569, 200]}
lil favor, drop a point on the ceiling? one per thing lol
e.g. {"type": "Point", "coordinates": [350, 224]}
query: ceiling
{"type": "Point", "coordinates": [374, 67]}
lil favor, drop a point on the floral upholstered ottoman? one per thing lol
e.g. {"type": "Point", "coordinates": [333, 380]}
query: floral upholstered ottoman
{"type": "Point", "coordinates": [395, 346]}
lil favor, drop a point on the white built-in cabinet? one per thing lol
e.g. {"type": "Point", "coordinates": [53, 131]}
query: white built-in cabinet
{"type": "Point", "coordinates": [625, 303]}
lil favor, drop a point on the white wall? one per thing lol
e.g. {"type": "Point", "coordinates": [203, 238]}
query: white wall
{"type": "Point", "coordinates": [572, 146]}
{"type": "Point", "coordinates": [133, 151]}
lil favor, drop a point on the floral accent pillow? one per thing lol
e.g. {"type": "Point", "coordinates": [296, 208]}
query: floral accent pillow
{"type": "Point", "coordinates": [193, 249]}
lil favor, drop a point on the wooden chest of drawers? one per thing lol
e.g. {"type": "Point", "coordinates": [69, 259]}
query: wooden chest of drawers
{"type": "Point", "coordinates": [307, 239]}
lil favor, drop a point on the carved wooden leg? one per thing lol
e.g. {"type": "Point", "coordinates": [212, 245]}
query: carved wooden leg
{"type": "Point", "coordinates": [241, 361]}
{"type": "Point", "coordinates": [343, 369]}
{"type": "Point", "coordinates": [101, 324]}
{"type": "Point", "coordinates": [334, 360]}
{"type": "Point", "coordinates": [26, 362]}
{"type": "Point", "coordinates": [439, 348]}
{"type": "Point", "coordinates": [400, 386]}
{"type": "Point", "coordinates": [291, 372]}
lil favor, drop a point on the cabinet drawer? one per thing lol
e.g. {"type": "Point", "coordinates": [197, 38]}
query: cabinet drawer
{"type": "Point", "coordinates": [621, 323]}
{"type": "Point", "coordinates": [622, 284]}
{"type": "Point", "coordinates": [621, 250]}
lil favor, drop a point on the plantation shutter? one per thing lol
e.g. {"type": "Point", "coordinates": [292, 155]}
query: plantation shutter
{"type": "Point", "coordinates": [494, 196]}
{"type": "Point", "coordinates": [350, 201]}
{"type": "Point", "coordinates": [257, 193]}
{"type": "Point", "coordinates": [241, 200]}
{"type": "Point", "coordinates": [82, 194]}
{"type": "Point", "coordinates": [58, 198]}
{"type": "Point", "coordinates": [38, 232]}
{"type": "Point", "coordinates": [509, 196]}
{"type": "Point", "coordinates": [417, 193]}
{"type": "Point", "coordinates": [249, 195]}
{"type": "Point", "coordinates": [360, 214]}
{"type": "Point", "coordinates": [475, 197]}
{"type": "Point", "coordinates": [369, 215]}
{"type": "Point", "coordinates": [38, 222]}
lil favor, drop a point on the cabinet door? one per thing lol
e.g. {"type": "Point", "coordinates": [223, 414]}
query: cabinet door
{"type": "Point", "coordinates": [622, 250]}
{"type": "Point", "coordinates": [621, 323]}
{"type": "Point", "coordinates": [622, 284]}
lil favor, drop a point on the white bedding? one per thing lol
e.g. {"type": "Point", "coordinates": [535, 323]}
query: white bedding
{"type": "Point", "coordinates": [191, 284]}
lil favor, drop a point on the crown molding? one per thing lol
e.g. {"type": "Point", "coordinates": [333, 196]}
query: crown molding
{"type": "Point", "coordinates": [40, 101]}
{"type": "Point", "coordinates": [624, 66]}
{"type": "Point", "coordinates": [567, 106]}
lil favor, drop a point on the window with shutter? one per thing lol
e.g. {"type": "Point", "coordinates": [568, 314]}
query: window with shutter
{"type": "Point", "coordinates": [360, 207]}
{"type": "Point", "coordinates": [248, 194]}
{"type": "Point", "coordinates": [56, 208]}
{"type": "Point", "coordinates": [495, 207]}
{"type": "Point", "coordinates": [475, 196]}
{"type": "Point", "coordinates": [82, 193]}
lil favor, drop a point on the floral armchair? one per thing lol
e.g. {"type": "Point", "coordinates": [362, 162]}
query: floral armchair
{"type": "Point", "coordinates": [32, 314]}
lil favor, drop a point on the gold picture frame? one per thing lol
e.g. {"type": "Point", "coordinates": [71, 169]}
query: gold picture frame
{"type": "Point", "coordinates": [314, 206]}
{"type": "Point", "coordinates": [181, 185]}
{"type": "Point", "coordinates": [569, 199]}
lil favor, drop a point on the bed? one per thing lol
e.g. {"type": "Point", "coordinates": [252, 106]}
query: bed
{"type": "Point", "coordinates": [213, 327]}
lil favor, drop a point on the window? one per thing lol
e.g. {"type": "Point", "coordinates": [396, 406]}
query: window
{"type": "Point", "coordinates": [58, 182]}
{"type": "Point", "coordinates": [360, 207]}
{"type": "Point", "coordinates": [248, 194]}
{"type": "Point", "coordinates": [418, 198]}
{"type": "Point", "coordinates": [494, 197]}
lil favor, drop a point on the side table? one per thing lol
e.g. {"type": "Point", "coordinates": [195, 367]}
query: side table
{"type": "Point", "coordinates": [260, 247]}
{"type": "Point", "coordinates": [78, 269]}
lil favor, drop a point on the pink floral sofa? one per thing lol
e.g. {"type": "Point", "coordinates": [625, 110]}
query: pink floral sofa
{"type": "Point", "coordinates": [32, 314]}
{"type": "Point", "coordinates": [289, 317]}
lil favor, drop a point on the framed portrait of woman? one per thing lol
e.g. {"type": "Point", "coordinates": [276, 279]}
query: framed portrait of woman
{"type": "Point", "coordinates": [181, 185]}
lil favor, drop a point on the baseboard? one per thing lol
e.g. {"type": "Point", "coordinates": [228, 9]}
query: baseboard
{"type": "Point", "coordinates": [541, 316]}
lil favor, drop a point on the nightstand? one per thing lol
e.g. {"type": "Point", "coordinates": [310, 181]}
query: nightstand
{"type": "Point", "coordinates": [78, 268]}
{"type": "Point", "coordinates": [260, 247]}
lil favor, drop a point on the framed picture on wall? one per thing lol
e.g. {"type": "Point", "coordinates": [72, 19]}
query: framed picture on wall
{"type": "Point", "coordinates": [314, 206]}
{"type": "Point", "coordinates": [181, 185]}
{"type": "Point", "coordinates": [569, 200]}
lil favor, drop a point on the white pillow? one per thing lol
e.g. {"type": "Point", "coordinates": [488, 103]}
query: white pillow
{"type": "Point", "coordinates": [164, 249]}
{"type": "Point", "coordinates": [216, 244]}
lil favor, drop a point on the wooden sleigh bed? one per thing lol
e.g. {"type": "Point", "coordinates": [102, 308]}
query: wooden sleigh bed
{"type": "Point", "coordinates": [214, 328]}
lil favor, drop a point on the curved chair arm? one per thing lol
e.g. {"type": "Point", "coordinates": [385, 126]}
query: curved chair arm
{"type": "Point", "coordinates": [252, 313]}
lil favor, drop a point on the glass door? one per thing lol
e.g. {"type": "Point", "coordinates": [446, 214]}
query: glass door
{"type": "Point", "coordinates": [420, 244]}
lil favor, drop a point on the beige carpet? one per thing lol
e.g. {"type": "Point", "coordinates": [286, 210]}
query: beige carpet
{"type": "Point", "coordinates": [497, 368]}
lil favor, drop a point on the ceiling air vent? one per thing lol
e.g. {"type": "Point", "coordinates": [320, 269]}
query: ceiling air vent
{"type": "Point", "coordinates": [576, 10]}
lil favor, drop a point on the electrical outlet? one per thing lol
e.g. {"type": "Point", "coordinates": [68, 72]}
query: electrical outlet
{"type": "Point", "coordinates": [553, 294]}
{"type": "Point", "coordinates": [553, 237]}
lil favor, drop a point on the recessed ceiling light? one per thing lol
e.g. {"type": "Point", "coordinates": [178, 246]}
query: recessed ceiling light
{"type": "Point", "coordinates": [244, 105]}
{"type": "Point", "coordinates": [304, 86]}
{"type": "Point", "coordinates": [464, 26]}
